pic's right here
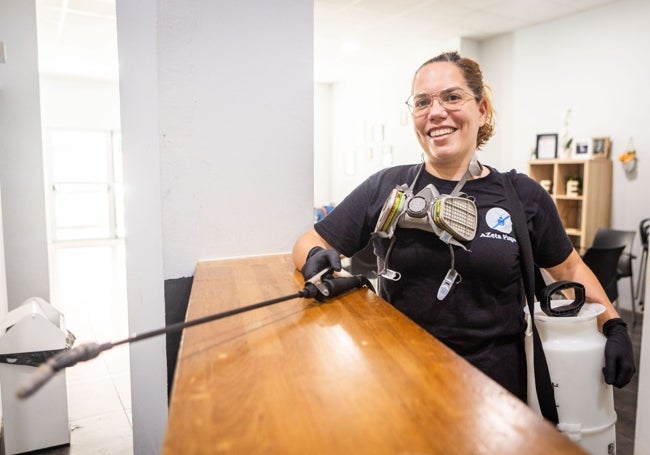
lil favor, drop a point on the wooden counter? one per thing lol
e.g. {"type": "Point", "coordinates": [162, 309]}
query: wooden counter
{"type": "Point", "coordinates": [348, 376]}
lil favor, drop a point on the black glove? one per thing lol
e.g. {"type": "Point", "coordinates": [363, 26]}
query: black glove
{"type": "Point", "coordinates": [318, 259]}
{"type": "Point", "coordinates": [619, 358]}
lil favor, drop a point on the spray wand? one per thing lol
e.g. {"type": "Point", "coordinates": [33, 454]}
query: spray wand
{"type": "Point", "coordinates": [321, 287]}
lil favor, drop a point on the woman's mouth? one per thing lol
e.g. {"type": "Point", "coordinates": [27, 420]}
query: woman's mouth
{"type": "Point", "coordinates": [438, 132]}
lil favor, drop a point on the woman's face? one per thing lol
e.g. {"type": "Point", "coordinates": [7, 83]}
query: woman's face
{"type": "Point", "coordinates": [448, 137]}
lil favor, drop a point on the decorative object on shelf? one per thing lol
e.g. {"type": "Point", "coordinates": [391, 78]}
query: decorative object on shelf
{"type": "Point", "coordinates": [546, 146]}
{"type": "Point", "coordinates": [582, 150]}
{"type": "Point", "coordinates": [601, 147]}
{"type": "Point", "coordinates": [566, 140]}
{"type": "Point", "coordinates": [566, 153]}
{"type": "Point", "coordinates": [628, 158]}
{"type": "Point", "coordinates": [573, 185]}
{"type": "Point", "coordinates": [547, 185]}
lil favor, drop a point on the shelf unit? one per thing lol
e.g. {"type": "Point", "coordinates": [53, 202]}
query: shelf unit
{"type": "Point", "coordinates": [581, 215]}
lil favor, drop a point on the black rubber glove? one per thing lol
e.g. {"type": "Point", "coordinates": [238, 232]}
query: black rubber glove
{"type": "Point", "coordinates": [619, 357]}
{"type": "Point", "coordinates": [318, 259]}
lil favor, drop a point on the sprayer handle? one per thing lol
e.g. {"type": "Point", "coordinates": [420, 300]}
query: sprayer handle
{"type": "Point", "coordinates": [572, 309]}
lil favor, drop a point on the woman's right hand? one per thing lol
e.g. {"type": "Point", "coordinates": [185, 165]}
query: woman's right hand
{"type": "Point", "coordinates": [320, 258]}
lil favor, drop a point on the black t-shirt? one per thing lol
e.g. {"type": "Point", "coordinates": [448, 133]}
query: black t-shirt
{"type": "Point", "coordinates": [485, 308]}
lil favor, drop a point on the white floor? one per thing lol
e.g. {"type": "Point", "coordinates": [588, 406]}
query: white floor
{"type": "Point", "coordinates": [88, 287]}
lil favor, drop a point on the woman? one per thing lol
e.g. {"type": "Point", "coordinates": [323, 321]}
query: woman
{"type": "Point", "coordinates": [459, 276]}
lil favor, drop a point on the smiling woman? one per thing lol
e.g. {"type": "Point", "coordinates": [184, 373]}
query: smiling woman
{"type": "Point", "coordinates": [447, 253]}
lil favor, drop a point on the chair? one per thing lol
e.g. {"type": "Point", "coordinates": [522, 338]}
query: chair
{"type": "Point", "coordinates": [644, 227]}
{"type": "Point", "coordinates": [608, 238]}
{"type": "Point", "coordinates": [604, 263]}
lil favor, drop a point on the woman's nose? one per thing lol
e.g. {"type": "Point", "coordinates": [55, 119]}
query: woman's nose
{"type": "Point", "coordinates": [436, 110]}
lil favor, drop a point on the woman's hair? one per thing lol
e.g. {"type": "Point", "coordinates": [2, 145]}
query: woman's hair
{"type": "Point", "coordinates": [474, 78]}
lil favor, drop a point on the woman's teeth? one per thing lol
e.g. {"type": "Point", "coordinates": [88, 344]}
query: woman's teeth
{"type": "Point", "coordinates": [440, 132]}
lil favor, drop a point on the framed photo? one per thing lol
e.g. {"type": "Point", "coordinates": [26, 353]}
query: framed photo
{"type": "Point", "coordinates": [582, 150]}
{"type": "Point", "coordinates": [601, 147]}
{"type": "Point", "coordinates": [546, 146]}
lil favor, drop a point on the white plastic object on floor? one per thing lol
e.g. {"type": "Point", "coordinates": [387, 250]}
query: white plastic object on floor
{"type": "Point", "coordinates": [40, 421]}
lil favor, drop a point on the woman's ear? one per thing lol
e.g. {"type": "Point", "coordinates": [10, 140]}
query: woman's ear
{"type": "Point", "coordinates": [482, 109]}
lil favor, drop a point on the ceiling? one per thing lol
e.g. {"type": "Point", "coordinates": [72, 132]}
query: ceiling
{"type": "Point", "coordinates": [78, 36]}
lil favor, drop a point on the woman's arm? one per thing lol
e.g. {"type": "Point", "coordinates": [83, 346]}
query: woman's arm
{"type": "Point", "coordinates": [306, 242]}
{"type": "Point", "coordinates": [619, 357]}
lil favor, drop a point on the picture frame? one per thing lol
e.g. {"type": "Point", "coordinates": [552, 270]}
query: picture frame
{"type": "Point", "coordinates": [582, 150]}
{"type": "Point", "coordinates": [601, 147]}
{"type": "Point", "coordinates": [546, 148]}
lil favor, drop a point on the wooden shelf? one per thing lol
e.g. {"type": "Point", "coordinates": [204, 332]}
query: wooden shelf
{"type": "Point", "coordinates": [581, 215]}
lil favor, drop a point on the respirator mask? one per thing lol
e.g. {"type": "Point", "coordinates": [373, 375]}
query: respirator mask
{"type": "Point", "coordinates": [452, 217]}
{"type": "Point", "coordinates": [449, 217]}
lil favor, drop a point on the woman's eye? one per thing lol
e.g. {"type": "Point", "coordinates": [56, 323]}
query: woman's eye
{"type": "Point", "coordinates": [452, 97]}
{"type": "Point", "coordinates": [422, 101]}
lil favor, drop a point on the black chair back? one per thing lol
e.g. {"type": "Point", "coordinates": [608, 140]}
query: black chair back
{"type": "Point", "coordinates": [644, 226]}
{"type": "Point", "coordinates": [609, 238]}
{"type": "Point", "coordinates": [604, 263]}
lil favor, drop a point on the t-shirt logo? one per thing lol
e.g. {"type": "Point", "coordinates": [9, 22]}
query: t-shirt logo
{"type": "Point", "coordinates": [499, 220]}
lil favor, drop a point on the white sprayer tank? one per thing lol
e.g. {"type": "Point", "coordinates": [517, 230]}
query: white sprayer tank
{"type": "Point", "coordinates": [575, 353]}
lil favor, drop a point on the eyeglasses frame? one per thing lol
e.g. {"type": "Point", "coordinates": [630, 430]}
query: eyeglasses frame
{"type": "Point", "coordinates": [436, 96]}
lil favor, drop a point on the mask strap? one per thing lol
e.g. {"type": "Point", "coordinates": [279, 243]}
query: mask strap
{"type": "Point", "coordinates": [475, 167]}
{"type": "Point", "coordinates": [417, 176]}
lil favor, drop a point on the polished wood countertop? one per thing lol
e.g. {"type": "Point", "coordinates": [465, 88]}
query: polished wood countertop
{"type": "Point", "coordinates": [348, 376]}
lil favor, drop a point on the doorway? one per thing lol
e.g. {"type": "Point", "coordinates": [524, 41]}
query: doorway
{"type": "Point", "coordinates": [82, 158]}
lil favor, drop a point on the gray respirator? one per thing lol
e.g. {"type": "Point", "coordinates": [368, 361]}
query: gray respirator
{"type": "Point", "coordinates": [453, 218]}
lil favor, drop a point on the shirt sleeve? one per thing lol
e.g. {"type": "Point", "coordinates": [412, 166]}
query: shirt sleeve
{"type": "Point", "coordinates": [346, 227]}
{"type": "Point", "coordinates": [349, 226]}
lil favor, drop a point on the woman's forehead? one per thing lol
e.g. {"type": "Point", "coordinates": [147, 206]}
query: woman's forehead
{"type": "Point", "coordinates": [438, 75]}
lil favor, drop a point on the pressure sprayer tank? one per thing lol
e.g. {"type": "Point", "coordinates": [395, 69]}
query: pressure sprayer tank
{"type": "Point", "coordinates": [575, 353]}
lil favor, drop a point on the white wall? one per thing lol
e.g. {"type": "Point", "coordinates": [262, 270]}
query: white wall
{"type": "Point", "coordinates": [496, 58]}
{"type": "Point", "coordinates": [21, 162]}
{"type": "Point", "coordinates": [3, 275]}
{"type": "Point", "coordinates": [217, 128]}
{"type": "Point", "coordinates": [137, 49]}
{"type": "Point", "coordinates": [322, 144]}
{"type": "Point", "coordinates": [236, 118]}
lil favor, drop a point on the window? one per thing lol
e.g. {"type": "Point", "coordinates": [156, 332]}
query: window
{"type": "Point", "coordinates": [85, 184]}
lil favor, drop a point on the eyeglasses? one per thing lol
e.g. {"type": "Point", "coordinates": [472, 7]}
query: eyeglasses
{"type": "Point", "coordinates": [451, 99]}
